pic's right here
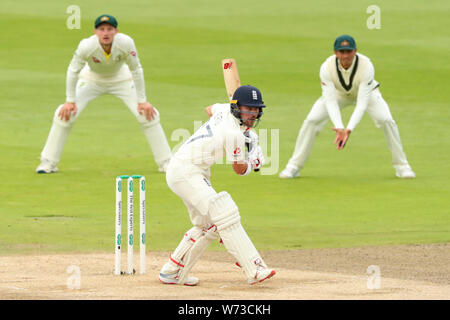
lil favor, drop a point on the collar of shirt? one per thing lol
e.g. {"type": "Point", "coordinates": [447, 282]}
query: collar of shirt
{"type": "Point", "coordinates": [242, 127]}
{"type": "Point", "coordinates": [349, 70]}
{"type": "Point", "coordinates": [107, 56]}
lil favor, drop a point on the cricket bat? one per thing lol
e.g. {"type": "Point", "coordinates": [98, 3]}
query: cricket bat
{"type": "Point", "coordinates": [232, 82]}
{"type": "Point", "coordinates": [231, 76]}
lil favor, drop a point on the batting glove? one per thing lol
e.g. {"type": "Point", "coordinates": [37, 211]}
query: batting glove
{"type": "Point", "coordinates": [256, 158]}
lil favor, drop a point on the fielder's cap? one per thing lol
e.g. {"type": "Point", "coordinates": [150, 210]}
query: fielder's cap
{"type": "Point", "coordinates": [344, 42]}
{"type": "Point", "coordinates": [106, 18]}
{"type": "Point", "coordinates": [249, 96]}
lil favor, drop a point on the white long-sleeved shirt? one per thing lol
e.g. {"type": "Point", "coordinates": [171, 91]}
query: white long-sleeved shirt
{"type": "Point", "coordinates": [220, 136]}
{"type": "Point", "coordinates": [356, 83]}
{"type": "Point", "coordinates": [91, 63]}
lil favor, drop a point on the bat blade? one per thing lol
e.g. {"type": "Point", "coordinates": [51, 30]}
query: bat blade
{"type": "Point", "coordinates": [231, 76]}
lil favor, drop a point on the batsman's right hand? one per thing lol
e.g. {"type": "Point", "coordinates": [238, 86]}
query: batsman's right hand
{"type": "Point", "coordinates": [256, 158]}
{"type": "Point", "coordinates": [66, 110]}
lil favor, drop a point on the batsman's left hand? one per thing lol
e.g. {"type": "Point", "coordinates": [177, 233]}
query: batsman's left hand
{"type": "Point", "coordinates": [251, 138]}
{"type": "Point", "coordinates": [147, 110]}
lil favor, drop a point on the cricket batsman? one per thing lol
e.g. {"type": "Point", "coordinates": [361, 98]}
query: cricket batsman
{"type": "Point", "coordinates": [105, 63]}
{"type": "Point", "coordinates": [215, 214]}
{"type": "Point", "coordinates": [347, 77]}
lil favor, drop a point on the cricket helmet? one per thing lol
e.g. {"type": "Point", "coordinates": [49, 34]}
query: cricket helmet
{"type": "Point", "coordinates": [249, 96]}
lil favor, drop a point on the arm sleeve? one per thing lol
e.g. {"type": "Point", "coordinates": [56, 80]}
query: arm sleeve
{"type": "Point", "coordinates": [364, 91]}
{"type": "Point", "coordinates": [235, 146]}
{"type": "Point", "coordinates": [137, 72]}
{"type": "Point", "coordinates": [75, 66]}
{"type": "Point", "coordinates": [329, 94]}
{"type": "Point", "coordinates": [215, 108]}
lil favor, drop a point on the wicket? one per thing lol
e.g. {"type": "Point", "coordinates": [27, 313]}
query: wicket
{"type": "Point", "coordinates": [118, 237]}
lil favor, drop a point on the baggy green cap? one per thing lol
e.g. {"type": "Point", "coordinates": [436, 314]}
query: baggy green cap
{"type": "Point", "coordinates": [106, 18]}
{"type": "Point", "coordinates": [344, 42]}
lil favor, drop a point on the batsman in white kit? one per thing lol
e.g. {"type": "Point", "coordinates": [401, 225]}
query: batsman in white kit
{"type": "Point", "coordinates": [347, 77]}
{"type": "Point", "coordinates": [105, 63]}
{"type": "Point", "coordinates": [216, 214]}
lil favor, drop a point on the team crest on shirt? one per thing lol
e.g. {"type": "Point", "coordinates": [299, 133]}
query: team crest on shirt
{"type": "Point", "coordinates": [237, 152]}
{"type": "Point", "coordinates": [95, 59]}
{"type": "Point", "coordinates": [133, 53]}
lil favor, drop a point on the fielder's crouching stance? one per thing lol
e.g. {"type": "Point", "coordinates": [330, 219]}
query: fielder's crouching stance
{"type": "Point", "coordinates": [216, 214]}
{"type": "Point", "coordinates": [105, 63]}
{"type": "Point", "coordinates": [347, 77]}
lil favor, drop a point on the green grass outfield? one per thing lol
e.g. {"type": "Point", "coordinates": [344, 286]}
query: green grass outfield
{"type": "Point", "coordinates": [344, 199]}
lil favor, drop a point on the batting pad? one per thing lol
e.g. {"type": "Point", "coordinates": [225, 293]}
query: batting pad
{"type": "Point", "coordinates": [225, 215]}
{"type": "Point", "coordinates": [176, 258]}
{"type": "Point", "coordinates": [196, 251]}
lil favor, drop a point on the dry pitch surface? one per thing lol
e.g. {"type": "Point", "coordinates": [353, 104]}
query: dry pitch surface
{"type": "Point", "coordinates": [407, 272]}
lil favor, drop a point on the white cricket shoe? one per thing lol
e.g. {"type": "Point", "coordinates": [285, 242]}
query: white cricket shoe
{"type": "Point", "coordinates": [404, 172]}
{"type": "Point", "coordinates": [262, 274]}
{"type": "Point", "coordinates": [172, 278]}
{"type": "Point", "coordinates": [289, 173]}
{"type": "Point", "coordinates": [47, 166]}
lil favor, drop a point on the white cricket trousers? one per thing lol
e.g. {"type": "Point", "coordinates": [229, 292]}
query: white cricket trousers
{"type": "Point", "coordinates": [193, 186]}
{"type": "Point", "coordinates": [377, 109]}
{"type": "Point", "coordinates": [86, 92]}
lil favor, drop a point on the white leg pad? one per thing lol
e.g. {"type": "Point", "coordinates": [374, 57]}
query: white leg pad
{"type": "Point", "coordinates": [225, 215]}
{"type": "Point", "coordinates": [196, 251]}
{"type": "Point", "coordinates": [176, 258]}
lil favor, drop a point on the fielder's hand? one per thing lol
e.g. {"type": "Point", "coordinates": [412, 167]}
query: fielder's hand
{"type": "Point", "coordinates": [147, 110]}
{"type": "Point", "coordinates": [342, 136]}
{"type": "Point", "coordinates": [66, 110]}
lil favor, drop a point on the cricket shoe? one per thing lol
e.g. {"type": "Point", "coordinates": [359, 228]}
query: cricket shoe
{"type": "Point", "coordinates": [172, 278]}
{"type": "Point", "coordinates": [47, 166]}
{"type": "Point", "coordinates": [262, 273]}
{"type": "Point", "coordinates": [289, 173]}
{"type": "Point", "coordinates": [404, 172]}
